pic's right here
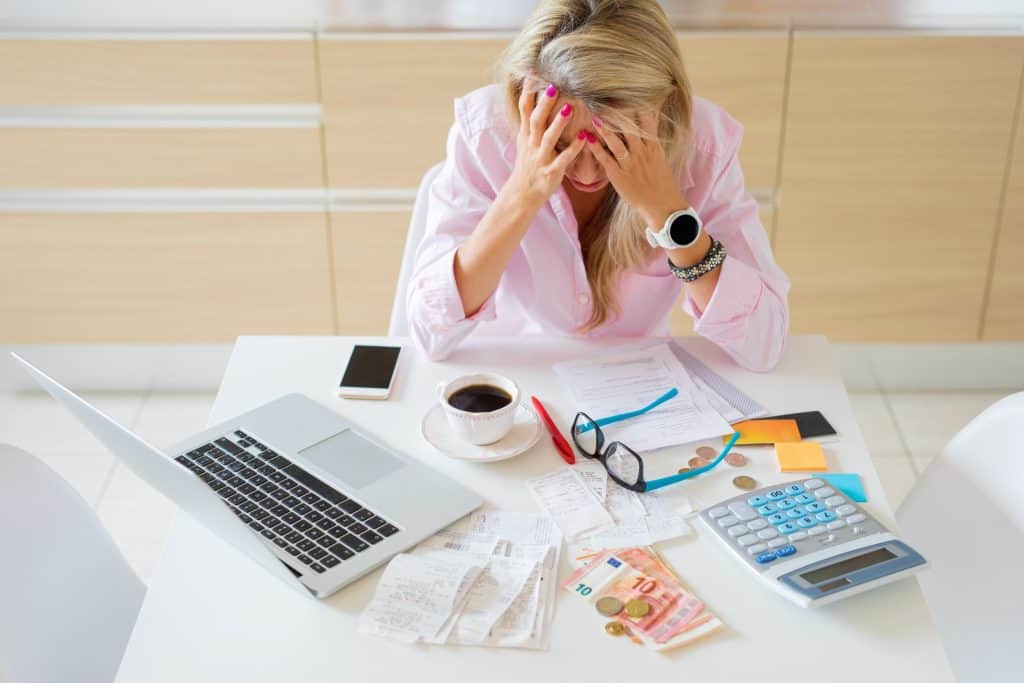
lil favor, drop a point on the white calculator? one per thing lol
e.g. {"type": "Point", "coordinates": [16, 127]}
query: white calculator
{"type": "Point", "coordinates": [810, 543]}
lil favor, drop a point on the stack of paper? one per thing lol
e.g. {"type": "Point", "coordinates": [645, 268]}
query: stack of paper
{"type": "Point", "coordinates": [492, 585]}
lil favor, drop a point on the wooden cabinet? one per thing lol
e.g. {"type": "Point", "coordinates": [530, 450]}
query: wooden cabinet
{"type": "Point", "coordinates": [1004, 318]}
{"type": "Point", "coordinates": [162, 277]}
{"type": "Point", "coordinates": [105, 72]}
{"type": "Point", "coordinates": [895, 148]}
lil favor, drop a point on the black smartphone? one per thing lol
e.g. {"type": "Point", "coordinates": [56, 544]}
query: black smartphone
{"type": "Point", "coordinates": [811, 423]}
{"type": "Point", "coordinates": [370, 372]}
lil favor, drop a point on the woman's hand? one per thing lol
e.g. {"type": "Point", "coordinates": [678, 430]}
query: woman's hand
{"type": "Point", "coordinates": [637, 168]}
{"type": "Point", "coordinates": [539, 169]}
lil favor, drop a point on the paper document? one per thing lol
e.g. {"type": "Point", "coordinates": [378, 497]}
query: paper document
{"type": "Point", "coordinates": [732, 403]}
{"type": "Point", "coordinates": [624, 382]}
{"type": "Point", "coordinates": [572, 505]}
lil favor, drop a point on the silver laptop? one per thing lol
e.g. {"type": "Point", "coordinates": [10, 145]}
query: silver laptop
{"type": "Point", "coordinates": [294, 486]}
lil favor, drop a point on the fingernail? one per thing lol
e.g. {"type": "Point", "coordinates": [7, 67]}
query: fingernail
{"type": "Point", "coordinates": [598, 123]}
{"type": "Point", "coordinates": [591, 137]}
{"type": "Point", "coordinates": [551, 91]}
{"type": "Point", "coordinates": [582, 135]}
{"type": "Point", "coordinates": [566, 110]}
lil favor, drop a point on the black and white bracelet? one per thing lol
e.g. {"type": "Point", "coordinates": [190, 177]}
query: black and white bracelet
{"type": "Point", "coordinates": [711, 260]}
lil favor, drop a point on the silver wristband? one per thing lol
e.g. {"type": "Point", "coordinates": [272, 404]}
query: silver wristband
{"type": "Point", "coordinates": [711, 260]}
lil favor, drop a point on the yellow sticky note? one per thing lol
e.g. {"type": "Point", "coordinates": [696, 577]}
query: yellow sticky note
{"type": "Point", "coordinates": [800, 456]}
{"type": "Point", "coordinates": [766, 431]}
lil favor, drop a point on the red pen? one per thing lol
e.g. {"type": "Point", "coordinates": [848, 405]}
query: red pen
{"type": "Point", "coordinates": [560, 443]}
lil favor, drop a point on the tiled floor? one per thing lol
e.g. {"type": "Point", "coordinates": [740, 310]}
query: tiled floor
{"type": "Point", "coordinates": [903, 432]}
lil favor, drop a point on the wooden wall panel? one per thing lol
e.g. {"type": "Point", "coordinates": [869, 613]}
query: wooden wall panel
{"type": "Point", "coordinates": [167, 278]}
{"type": "Point", "coordinates": [895, 147]}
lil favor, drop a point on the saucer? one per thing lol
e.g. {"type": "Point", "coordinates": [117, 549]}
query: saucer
{"type": "Point", "coordinates": [524, 434]}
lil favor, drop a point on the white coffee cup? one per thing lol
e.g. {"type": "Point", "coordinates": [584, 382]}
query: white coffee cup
{"type": "Point", "coordinates": [479, 428]}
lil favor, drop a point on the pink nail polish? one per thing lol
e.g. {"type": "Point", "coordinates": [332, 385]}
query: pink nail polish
{"type": "Point", "coordinates": [551, 91]}
{"type": "Point", "coordinates": [591, 138]}
{"type": "Point", "coordinates": [582, 135]}
{"type": "Point", "coordinates": [566, 110]}
{"type": "Point", "coordinates": [598, 123]}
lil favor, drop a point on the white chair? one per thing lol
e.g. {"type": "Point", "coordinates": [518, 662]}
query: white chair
{"type": "Point", "coordinates": [68, 599]}
{"type": "Point", "coordinates": [399, 325]}
{"type": "Point", "coordinates": [966, 516]}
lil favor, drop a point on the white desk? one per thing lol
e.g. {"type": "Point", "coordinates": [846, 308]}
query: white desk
{"type": "Point", "coordinates": [211, 615]}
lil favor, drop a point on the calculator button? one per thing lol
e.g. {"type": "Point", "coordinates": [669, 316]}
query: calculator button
{"type": "Point", "coordinates": [794, 489]}
{"type": "Point", "coordinates": [786, 503]}
{"type": "Point", "coordinates": [854, 519]}
{"type": "Point", "coordinates": [815, 507]}
{"type": "Point", "coordinates": [776, 542]}
{"type": "Point", "coordinates": [787, 528]}
{"type": "Point", "coordinates": [833, 501]}
{"type": "Point", "coordinates": [715, 513]}
{"type": "Point", "coordinates": [777, 518]}
{"type": "Point", "coordinates": [812, 484]}
{"type": "Point", "coordinates": [826, 516]}
{"type": "Point", "coordinates": [786, 551]}
{"type": "Point", "coordinates": [767, 509]}
{"type": "Point", "coordinates": [757, 524]}
{"type": "Point", "coordinates": [796, 513]}
{"type": "Point", "coordinates": [765, 558]}
{"type": "Point", "coordinates": [765, 534]}
{"type": "Point", "coordinates": [844, 510]}
{"type": "Point", "coordinates": [737, 530]}
{"type": "Point", "coordinates": [798, 536]}
{"type": "Point", "coordinates": [757, 548]}
{"type": "Point", "coordinates": [804, 498]}
{"type": "Point", "coordinates": [816, 531]}
{"type": "Point", "coordinates": [749, 539]}
{"type": "Point", "coordinates": [756, 501]}
{"type": "Point", "coordinates": [726, 522]}
{"type": "Point", "coordinates": [806, 522]}
{"type": "Point", "coordinates": [776, 494]}
{"type": "Point", "coordinates": [743, 512]}
{"type": "Point", "coordinates": [825, 492]}
{"type": "Point", "coordinates": [838, 524]}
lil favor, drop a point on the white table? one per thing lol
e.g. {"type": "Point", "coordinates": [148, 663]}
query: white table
{"type": "Point", "coordinates": [212, 615]}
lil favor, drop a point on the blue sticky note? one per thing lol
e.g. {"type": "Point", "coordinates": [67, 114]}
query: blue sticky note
{"type": "Point", "coordinates": [847, 483]}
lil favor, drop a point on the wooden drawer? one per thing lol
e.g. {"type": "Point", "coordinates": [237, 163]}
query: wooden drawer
{"type": "Point", "coordinates": [745, 74]}
{"type": "Point", "coordinates": [895, 150]}
{"type": "Point", "coordinates": [159, 157]}
{"type": "Point", "coordinates": [367, 248]}
{"type": "Point", "coordinates": [46, 73]}
{"type": "Point", "coordinates": [388, 104]}
{"type": "Point", "coordinates": [168, 278]}
{"type": "Point", "coordinates": [1004, 319]}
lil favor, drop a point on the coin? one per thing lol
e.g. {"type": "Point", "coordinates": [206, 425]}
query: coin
{"type": "Point", "coordinates": [614, 628]}
{"type": "Point", "coordinates": [744, 482]}
{"type": "Point", "coordinates": [695, 461]}
{"type": "Point", "coordinates": [637, 609]}
{"type": "Point", "coordinates": [609, 606]}
{"type": "Point", "coordinates": [684, 470]}
{"type": "Point", "coordinates": [737, 459]}
{"type": "Point", "coordinates": [706, 452]}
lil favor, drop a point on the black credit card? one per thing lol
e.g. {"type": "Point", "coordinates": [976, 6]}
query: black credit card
{"type": "Point", "coordinates": [811, 423]}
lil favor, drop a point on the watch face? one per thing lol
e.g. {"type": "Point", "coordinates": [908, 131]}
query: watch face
{"type": "Point", "coordinates": [684, 229]}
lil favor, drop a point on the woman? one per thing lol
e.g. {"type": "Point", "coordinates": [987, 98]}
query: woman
{"type": "Point", "coordinates": [558, 184]}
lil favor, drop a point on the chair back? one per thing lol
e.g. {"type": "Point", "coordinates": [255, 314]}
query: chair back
{"type": "Point", "coordinates": [68, 599]}
{"type": "Point", "coordinates": [966, 516]}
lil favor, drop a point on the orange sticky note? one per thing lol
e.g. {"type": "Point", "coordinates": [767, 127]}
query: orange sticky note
{"type": "Point", "coordinates": [800, 456]}
{"type": "Point", "coordinates": [766, 431]}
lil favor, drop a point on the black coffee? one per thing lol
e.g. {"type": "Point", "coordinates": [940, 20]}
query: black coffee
{"type": "Point", "coordinates": [480, 398]}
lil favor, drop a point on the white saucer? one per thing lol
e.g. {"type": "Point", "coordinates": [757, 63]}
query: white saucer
{"type": "Point", "coordinates": [524, 434]}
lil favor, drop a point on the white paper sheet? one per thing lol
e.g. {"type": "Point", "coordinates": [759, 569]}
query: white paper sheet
{"type": "Point", "coordinates": [628, 381]}
{"type": "Point", "coordinates": [458, 541]}
{"type": "Point", "coordinates": [665, 528]}
{"type": "Point", "coordinates": [491, 595]}
{"type": "Point", "coordinates": [564, 496]}
{"type": "Point", "coordinates": [622, 503]}
{"type": "Point", "coordinates": [595, 476]}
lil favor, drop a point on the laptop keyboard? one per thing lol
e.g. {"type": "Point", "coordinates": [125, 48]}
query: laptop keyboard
{"type": "Point", "coordinates": [295, 510]}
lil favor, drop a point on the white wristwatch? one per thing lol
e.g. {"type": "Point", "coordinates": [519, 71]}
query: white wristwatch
{"type": "Point", "coordinates": [681, 229]}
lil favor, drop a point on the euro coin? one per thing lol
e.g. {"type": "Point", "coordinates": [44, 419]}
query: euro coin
{"type": "Point", "coordinates": [684, 470]}
{"type": "Point", "coordinates": [737, 459]}
{"type": "Point", "coordinates": [637, 609]}
{"type": "Point", "coordinates": [614, 628]}
{"type": "Point", "coordinates": [707, 452]}
{"type": "Point", "coordinates": [695, 461]}
{"type": "Point", "coordinates": [744, 482]}
{"type": "Point", "coordinates": [609, 606]}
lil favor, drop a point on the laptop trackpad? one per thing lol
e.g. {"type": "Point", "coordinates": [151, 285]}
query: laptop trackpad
{"type": "Point", "coordinates": [352, 459]}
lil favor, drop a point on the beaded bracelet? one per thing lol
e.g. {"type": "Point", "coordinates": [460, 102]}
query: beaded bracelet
{"type": "Point", "coordinates": [711, 260]}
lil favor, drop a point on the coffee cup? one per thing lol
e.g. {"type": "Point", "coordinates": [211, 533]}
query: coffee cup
{"type": "Point", "coordinates": [480, 408]}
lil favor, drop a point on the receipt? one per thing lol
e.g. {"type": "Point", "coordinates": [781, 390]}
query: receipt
{"type": "Point", "coordinates": [569, 502]}
{"type": "Point", "coordinates": [448, 540]}
{"type": "Point", "coordinates": [595, 476]}
{"type": "Point", "coordinates": [491, 595]}
{"type": "Point", "coordinates": [622, 503]}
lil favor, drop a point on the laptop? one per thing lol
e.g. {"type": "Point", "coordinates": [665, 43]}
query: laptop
{"type": "Point", "coordinates": [297, 488]}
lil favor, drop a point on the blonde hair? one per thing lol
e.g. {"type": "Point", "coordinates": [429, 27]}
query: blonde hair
{"type": "Point", "coordinates": [618, 57]}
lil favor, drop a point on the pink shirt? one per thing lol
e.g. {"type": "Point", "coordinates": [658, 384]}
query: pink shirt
{"type": "Point", "coordinates": [544, 289]}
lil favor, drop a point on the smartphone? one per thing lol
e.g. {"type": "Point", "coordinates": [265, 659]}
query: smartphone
{"type": "Point", "coordinates": [370, 372]}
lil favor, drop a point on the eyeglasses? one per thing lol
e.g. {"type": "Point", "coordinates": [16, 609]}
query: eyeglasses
{"type": "Point", "coordinates": [622, 462]}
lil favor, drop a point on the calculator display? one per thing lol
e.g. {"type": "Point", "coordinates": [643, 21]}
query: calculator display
{"type": "Point", "coordinates": [847, 566]}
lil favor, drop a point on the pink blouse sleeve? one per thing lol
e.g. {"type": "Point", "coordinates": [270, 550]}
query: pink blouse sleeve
{"type": "Point", "coordinates": [459, 197]}
{"type": "Point", "coordinates": [747, 315]}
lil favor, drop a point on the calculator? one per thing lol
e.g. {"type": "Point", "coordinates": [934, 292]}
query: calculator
{"type": "Point", "coordinates": [809, 542]}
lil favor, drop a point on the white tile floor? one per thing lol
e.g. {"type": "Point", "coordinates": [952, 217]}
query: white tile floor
{"type": "Point", "coordinates": [904, 430]}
